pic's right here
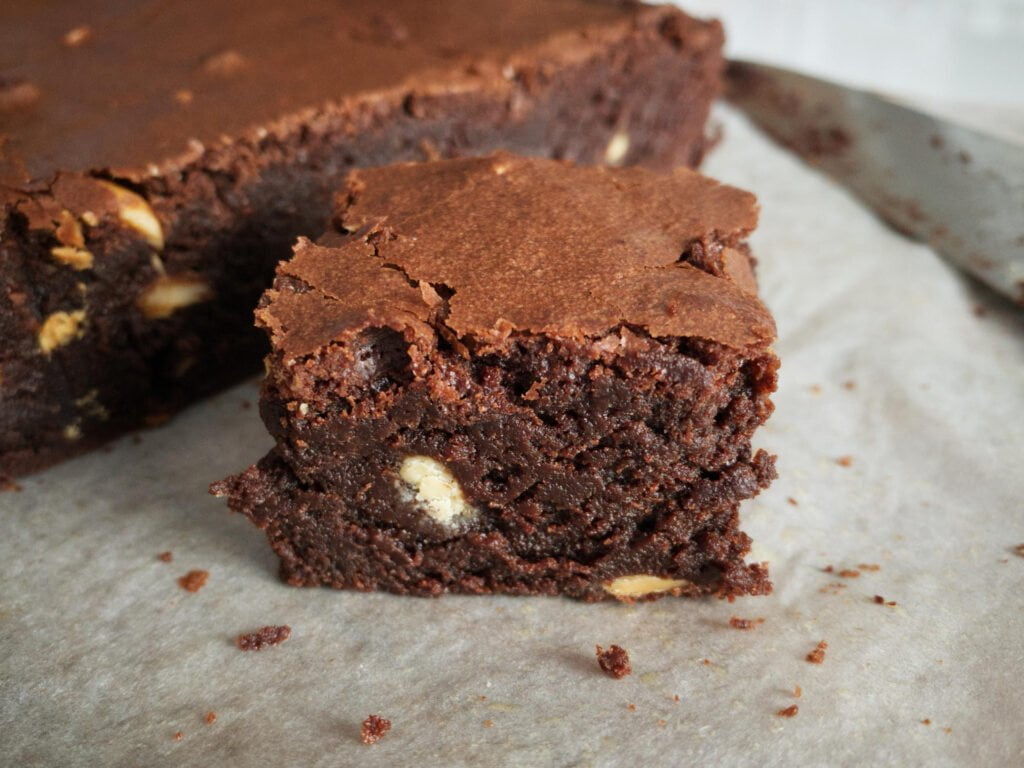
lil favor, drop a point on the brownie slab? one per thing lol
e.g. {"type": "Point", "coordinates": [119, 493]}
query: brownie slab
{"type": "Point", "coordinates": [158, 159]}
{"type": "Point", "coordinates": [519, 376]}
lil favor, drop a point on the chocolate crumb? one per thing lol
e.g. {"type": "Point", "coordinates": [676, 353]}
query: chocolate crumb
{"type": "Point", "coordinates": [879, 599]}
{"type": "Point", "coordinates": [1019, 550]}
{"type": "Point", "coordinates": [737, 623]}
{"type": "Point", "coordinates": [850, 384]}
{"type": "Point", "coordinates": [178, 735]}
{"type": "Point", "coordinates": [845, 461]}
{"type": "Point", "coordinates": [676, 698]}
{"type": "Point", "coordinates": [165, 557]}
{"type": "Point", "coordinates": [828, 569]}
{"type": "Point", "coordinates": [947, 729]}
{"type": "Point", "coordinates": [631, 707]}
{"type": "Point", "coordinates": [792, 501]}
{"type": "Point", "coordinates": [849, 573]}
{"type": "Point", "coordinates": [872, 567]}
{"type": "Point", "coordinates": [832, 588]}
{"type": "Point", "coordinates": [374, 729]}
{"type": "Point", "coordinates": [926, 721]}
{"type": "Point", "coordinates": [614, 662]}
{"type": "Point", "coordinates": [789, 711]}
{"type": "Point", "coordinates": [193, 581]}
{"type": "Point", "coordinates": [798, 692]}
{"type": "Point", "coordinates": [211, 718]}
{"type": "Point", "coordinates": [706, 662]}
{"type": "Point", "coordinates": [264, 638]}
{"type": "Point", "coordinates": [817, 656]}
{"type": "Point", "coordinates": [488, 723]}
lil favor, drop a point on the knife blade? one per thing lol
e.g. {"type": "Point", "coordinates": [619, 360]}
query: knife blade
{"type": "Point", "coordinates": [955, 188]}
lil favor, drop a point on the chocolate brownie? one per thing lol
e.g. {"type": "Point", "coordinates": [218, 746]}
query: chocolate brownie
{"type": "Point", "coordinates": [517, 375]}
{"type": "Point", "coordinates": [158, 159]}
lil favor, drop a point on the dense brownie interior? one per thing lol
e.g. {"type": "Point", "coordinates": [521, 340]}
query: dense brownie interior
{"type": "Point", "coordinates": [90, 352]}
{"type": "Point", "coordinates": [470, 334]}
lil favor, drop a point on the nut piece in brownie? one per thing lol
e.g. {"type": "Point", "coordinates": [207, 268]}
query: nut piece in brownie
{"type": "Point", "coordinates": [521, 376]}
{"type": "Point", "coordinates": [145, 200]}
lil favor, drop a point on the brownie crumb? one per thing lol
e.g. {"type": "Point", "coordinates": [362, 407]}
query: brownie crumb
{"type": "Point", "coordinates": [737, 623]}
{"type": "Point", "coordinates": [1019, 550]}
{"type": "Point", "coordinates": [789, 711]}
{"type": "Point", "coordinates": [193, 581]}
{"type": "Point", "coordinates": [614, 662]}
{"type": "Point", "coordinates": [870, 567]}
{"type": "Point", "coordinates": [828, 569]}
{"type": "Point", "coordinates": [210, 718]}
{"type": "Point", "coordinates": [488, 723]}
{"type": "Point", "coordinates": [631, 707]}
{"type": "Point", "coordinates": [798, 692]}
{"type": "Point", "coordinates": [676, 698]}
{"type": "Point", "coordinates": [374, 729]}
{"type": "Point", "coordinates": [792, 501]}
{"type": "Point", "coordinates": [832, 588]}
{"type": "Point", "coordinates": [879, 599]}
{"type": "Point", "coordinates": [849, 384]}
{"type": "Point", "coordinates": [662, 723]}
{"type": "Point", "coordinates": [845, 461]}
{"type": "Point", "coordinates": [178, 735]}
{"type": "Point", "coordinates": [264, 638]}
{"type": "Point", "coordinates": [849, 573]}
{"type": "Point", "coordinates": [815, 389]}
{"type": "Point", "coordinates": [947, 729]}
{"type": "Point", "coordinates": [706, 662]}
{"type": "Point", "coordinates": [926, 721]}
{"type": "Point", "coordinates": [165, 557]}
{"type": "Point", "coordinates": [817, 656]}
{"type": "Point", "coordinates": [7, 485]}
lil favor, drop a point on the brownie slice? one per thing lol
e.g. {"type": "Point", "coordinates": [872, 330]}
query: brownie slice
{"type": "Point", "coordinates": [517, 375]}
{"type": "Point", "coordinates": [158, 159]}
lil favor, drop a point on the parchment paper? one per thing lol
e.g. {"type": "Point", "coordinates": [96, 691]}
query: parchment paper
{"type": "Point", "coordinates": [104, 657]}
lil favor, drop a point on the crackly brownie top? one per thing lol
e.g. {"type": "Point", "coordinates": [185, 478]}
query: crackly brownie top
{"type": "Point", "coordinates": [123, 84]}
{"type": "Point", "coordinates": [485, 248]}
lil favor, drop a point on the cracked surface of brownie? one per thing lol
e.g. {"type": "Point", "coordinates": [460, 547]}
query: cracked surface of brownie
{"type": "Point", "coordinates": [520, 376]}
{"type": "Point", "coordinates": [144, 201]}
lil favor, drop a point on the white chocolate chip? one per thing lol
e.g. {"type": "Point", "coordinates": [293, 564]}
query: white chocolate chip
{"type": "Point", "coordinates": [434, 489]}
{"type": "Point", "coordinates": [169, 293]}
{"type": "Point", "coordinates": [60, 328]}
{"type": "Point", "coordinates": [617, 148]}
{"type": "Point", "coordinates": [72, 432]}
{"type": "Point", "coordinates": [642, 584]}
{"type": "Point", "coordinates": [135, 213]}
{"type": "Point", "coordinates": [76, 258]}
{"type": "Point", "coordinates": [75, 37]}
{"type": "Point", "coordinates": [91, 219]}
{"type": "Point", "coordinates": [303, 409]}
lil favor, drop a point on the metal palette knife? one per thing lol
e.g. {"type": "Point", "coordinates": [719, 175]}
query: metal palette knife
{"type": "Point", "coordinates": [957, 189]}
